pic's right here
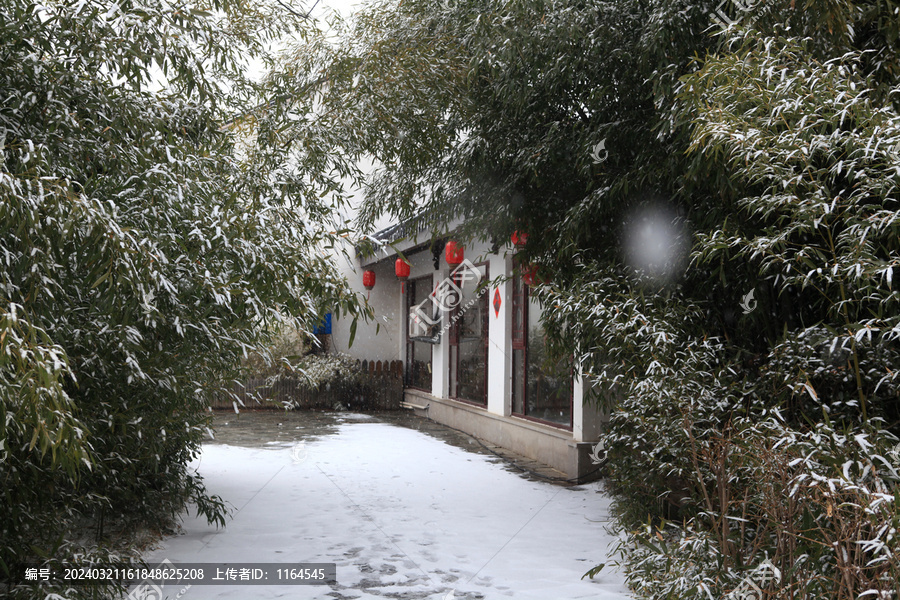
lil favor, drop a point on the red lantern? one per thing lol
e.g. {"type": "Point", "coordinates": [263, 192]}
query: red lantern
{"type": "Point", "coordinates": [529, 275]}
{"type": "Point", "coordinates": [368, 279]}
{"type": "Point", "coordinates": [519, 239]}
{"type": "Point", "coordinates": [401, 269]}
{"type": "Point", "coordinates": [454, 253]}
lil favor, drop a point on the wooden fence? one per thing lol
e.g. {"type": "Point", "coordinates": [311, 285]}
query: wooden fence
{"type": "Point", "coordinates": [379, 387]}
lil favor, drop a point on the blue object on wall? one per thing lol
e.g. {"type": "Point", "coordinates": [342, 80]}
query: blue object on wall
{"type": "Point", "coordinates": [324, 326]}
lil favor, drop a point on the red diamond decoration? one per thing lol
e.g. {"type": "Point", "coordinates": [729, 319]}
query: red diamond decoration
{"type": "Point", "coordinates": [497, 302]}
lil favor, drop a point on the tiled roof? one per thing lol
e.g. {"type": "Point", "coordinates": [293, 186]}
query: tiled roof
{"type": "Point", "coordinates": [405, 229]}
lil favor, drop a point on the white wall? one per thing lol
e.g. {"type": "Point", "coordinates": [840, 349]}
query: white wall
{"type": "Point", "coordinates": [388, 305]}
{"type": "Point", "coordinates": [367, 344]}
{"type": "Point", "coordinates": [499, 338]}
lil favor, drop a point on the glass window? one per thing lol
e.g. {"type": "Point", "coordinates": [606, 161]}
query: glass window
{"type": "Point", "coordinates": [418, 352]}
{"type": "Point", "coordinates": [541, 389]}
{"type": "Point", "coordinates": [469, 341]}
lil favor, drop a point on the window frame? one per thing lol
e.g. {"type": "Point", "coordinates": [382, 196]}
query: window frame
{"type": "Point", "coordinates": [453, 342]}
{"type": "Point", "coordinates": [519, 336]}
{"type": "Point", "coordinates": [410, 298]}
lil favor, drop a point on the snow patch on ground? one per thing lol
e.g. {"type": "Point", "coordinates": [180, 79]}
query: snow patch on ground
{"type": "Point", "coordinates": [403, 515]}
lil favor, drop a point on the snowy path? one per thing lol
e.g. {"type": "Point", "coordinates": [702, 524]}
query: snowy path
{"type": "Point", "coordinates": [403, 515]}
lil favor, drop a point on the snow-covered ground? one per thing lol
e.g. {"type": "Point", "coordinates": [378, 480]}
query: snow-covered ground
{"type": "Point", "coordinates": [403, 515]}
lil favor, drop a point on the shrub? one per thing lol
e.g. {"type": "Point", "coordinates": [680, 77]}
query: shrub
{"type": "Point", "coordinates": [143, 257]}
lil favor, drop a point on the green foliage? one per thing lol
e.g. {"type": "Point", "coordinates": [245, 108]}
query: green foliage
{"type": "Point", "coordinates": [292, 355]}
{"type": "Point", "coordinates": [143, 258]}
{"type": "Point", "coordinates": [289, 357]}
{"type": "Point", "coordinates": [287, 347]}
{"type": "Point", "coordinates": [819, 160]}
{"type": "Point", "coordinates": [817, 504]}
{"type": "Point", "coordinates": [321, 371]}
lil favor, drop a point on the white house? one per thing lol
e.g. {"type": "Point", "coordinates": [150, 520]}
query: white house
{"type": "Point", "coordinates": [470, 338]}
